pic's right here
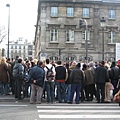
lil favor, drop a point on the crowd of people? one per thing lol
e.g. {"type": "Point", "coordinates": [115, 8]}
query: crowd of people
{"type": "Point", "coordinates": [59, 81]}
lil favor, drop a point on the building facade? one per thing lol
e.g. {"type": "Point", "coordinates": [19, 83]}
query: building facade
{"type": "Point", "coordinates": [21, 48]}
{"type": "Point", "coordinates": [59, 34]}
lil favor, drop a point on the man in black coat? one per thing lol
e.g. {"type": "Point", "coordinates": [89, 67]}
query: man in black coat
{"type": "Point", "coordinates": [101, 77]}
{"type": "Point", "coordinates": [114, 76]}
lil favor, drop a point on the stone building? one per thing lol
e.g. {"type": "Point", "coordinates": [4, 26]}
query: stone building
{"type": "Point", "coordinates": [59, 35]}
{"type": "Point", "coordinates": [21, 48]}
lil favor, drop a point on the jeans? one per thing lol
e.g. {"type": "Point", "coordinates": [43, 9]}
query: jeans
{"type": "Point", "coordinates": [27, 85]}
{"type": "Point", "coordinates": [75, 88]}
{"type": "Point", "coordinates": [18, 87]}
{"type": "Point", "coordinates": [4, 88]}
{"type": "Point", "coordinates": [68, 92]}
{"type": "Point", "coordinates": [61, 90]}
{"type": "Point", "coordinates": [50, 86]}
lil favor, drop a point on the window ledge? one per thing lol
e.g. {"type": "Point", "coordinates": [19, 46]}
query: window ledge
{"type": "Point", "coordinates": [69, 42]}
{"type": "Point", "coordinates": [111, 43]}
{"type": "Point", "coordinates": [83, 42]}
{"type": "Point", "coordinates": [54, 16]}
{"type": "Point", "coordinates": [70, 16]}
{"type": "Point", "coordinates": [111, 18]}
{"type": "Point", "coordinates": [86, 17]}
{"type": "Point", "coordinates": [53, 42]}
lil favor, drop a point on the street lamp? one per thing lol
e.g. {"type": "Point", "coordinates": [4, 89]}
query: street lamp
{"type": "Point", "coordinates": [8, 5]}
{"type": "Point", "coordinates": [102, 22]}
{"type": "Point", "coordinates": [86, 36]}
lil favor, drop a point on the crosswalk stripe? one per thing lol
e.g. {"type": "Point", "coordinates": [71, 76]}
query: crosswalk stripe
{"type": "Point", "coordinates": [84, 104]}
{"type": "Point", "coordinates": [79, 116]}
{"type": "Point", "coordinates": [75, 111]}
{"type": "Point", "coordinates": [110, 107]}
{"type": "Point", "coordinates": [69, 111]}
{"type": "Point", "coordinates": [13, 105]}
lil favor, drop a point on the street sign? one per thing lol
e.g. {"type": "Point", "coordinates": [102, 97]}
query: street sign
{"type": "Point", "coordinates": [43, 56]}
{"type": "Point", "coordinates": [117, 51]}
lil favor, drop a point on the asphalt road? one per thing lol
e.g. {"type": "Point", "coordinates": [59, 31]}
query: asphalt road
{"type": "Point", "coordinates": [60, 111]}
{"type": "Point", "coordinates": [18, 111]}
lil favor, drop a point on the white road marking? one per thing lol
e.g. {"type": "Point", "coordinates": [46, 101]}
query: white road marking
{"type": "Point", "coordinates": [81, 111]}
{"type": "Point", "coordinates": [68, 111]}
{"type": "Point", "coordinates": [13, 105]}
{"type": "Point", "coordinates": [110, 107]}
{"type": "Point", "coordinates": [79, 116]}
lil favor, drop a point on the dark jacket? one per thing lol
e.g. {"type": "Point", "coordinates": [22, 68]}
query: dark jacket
{"type": "Point", "coordinates": [37, 73]}
{"type": "Point", "coordinates": [114, 73]}
{"type": "Point", "coordinates": [18, 71]}
{"type": "Point", "coordinates": [68, 81]}
{"type": "Point", "coordinates": [89, 76]}
{"type": "Point", "coordinates": [101, 74]}
{"type": "Point", "coordinates": [60, 73]}
{"type": "Point", "coordinates": [77, 76]}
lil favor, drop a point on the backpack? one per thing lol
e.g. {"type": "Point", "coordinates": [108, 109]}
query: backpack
{"type": "Point", "coordinates": [50, 74]}
{"type": "Point", "coordinates": [26, 75]}
{"type": "Point", "coordinates": [15, 71]}
{"type": "Point", "coordinates": [18, 71]}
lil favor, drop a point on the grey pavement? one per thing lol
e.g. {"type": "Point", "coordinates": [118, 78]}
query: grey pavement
{"type": "Point", "coordinates": [10, 98]}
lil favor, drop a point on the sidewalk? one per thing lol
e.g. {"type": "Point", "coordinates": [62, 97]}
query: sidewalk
{"type": "Point", "coordinates": [10, 98]}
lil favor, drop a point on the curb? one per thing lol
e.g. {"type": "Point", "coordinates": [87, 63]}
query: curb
{"type": "Point", "coordinates": [12, 99]}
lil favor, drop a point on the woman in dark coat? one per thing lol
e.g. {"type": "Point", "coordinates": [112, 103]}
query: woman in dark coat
{"type": "Point", "coordinates": [4, 76]}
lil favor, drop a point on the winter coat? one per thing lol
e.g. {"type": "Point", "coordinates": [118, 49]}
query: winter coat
{"type": "Point", "coordinates": [18, 71]}
{"type": "Point", "coordinates": [89, 77]}
{"type": "Point", "coordinates": [114, 73]}
{"type": "Point", "coordinates": [101, 74]}
{"type": "Point", "coordinates": [4, 73]}
{"type": "Point", "coordinates": [37, 73]}
{"type": "Point", "coordinates": [77, 76]}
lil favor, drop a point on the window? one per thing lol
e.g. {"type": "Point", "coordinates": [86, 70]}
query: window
{"type": "Point", "coordinates": [70, 36]}
{"type": "Point", "coordinates": [11, 47]}
{"type": "Point", "coordinates": [53, 58]}
{"type": "Point", "coordinates": [53, 35]}
{"type": "Point", "coordinates": [69, 59]}
{"type": "Point", "coordinates": [84, 35]}
{"type": "Point", "coordinates": [15, 47]}
{"type": "Point", "coordinates": [29, 52]}
{"type": "Point", "coordinates": [19, 47]}
{"type": "Point", "coordinates": [54, 11]}
{"type": "Point", "coordinates": [70, 12]}
{"type": "Point", "coordinates": [20, 52]}
{"type": "Point", "coordinates": [86, 12]}
{"type": "Point", "coordinates": [30, 47]}
{"type": "Point", "coordinates": [112, 14]}
{"type": "Point", "coordinates": [112, 37]}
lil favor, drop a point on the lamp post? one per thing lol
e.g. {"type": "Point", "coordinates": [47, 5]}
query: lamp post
{"type": "Point", "coordinates": [102, 21]}
{"type": "Point", "coordinates": [8, 5]}
{"type": "Point", "coordinates": [86, 36]}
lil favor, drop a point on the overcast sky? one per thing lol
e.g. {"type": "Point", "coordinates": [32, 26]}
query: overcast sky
{"type": "Point", "coordinates": [23, 17]}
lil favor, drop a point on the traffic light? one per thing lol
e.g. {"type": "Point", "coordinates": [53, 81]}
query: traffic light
{"type": "Point", "coordinates": [81, 23]}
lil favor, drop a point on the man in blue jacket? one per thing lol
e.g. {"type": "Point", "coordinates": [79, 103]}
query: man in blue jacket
{"type": "Point", "coordinates": [37, 82]}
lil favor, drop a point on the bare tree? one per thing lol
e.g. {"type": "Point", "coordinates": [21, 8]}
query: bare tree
{"type": "Point", "coordinates": [3, 34]}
